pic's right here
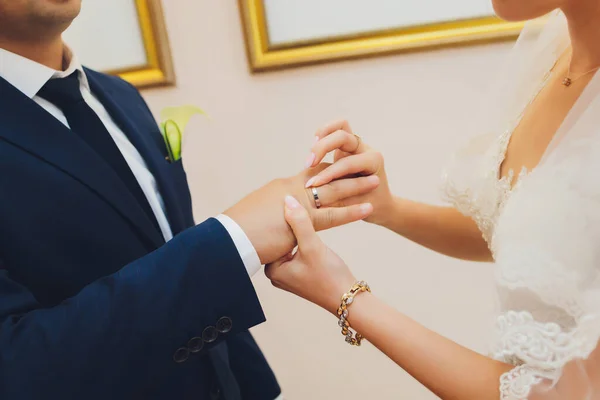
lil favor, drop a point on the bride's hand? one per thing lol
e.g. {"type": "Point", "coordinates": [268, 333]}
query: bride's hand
{"type": "Point", "coordinates": [352, 157]}
{"type": "Point", "coordinates": [315, 272]}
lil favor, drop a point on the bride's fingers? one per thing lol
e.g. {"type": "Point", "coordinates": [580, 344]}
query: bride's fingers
{"type": "Point", "coordinates": [271, 269]}
{"type": "Point", "coordinates": [339, 190]}
{"type": "Point", "coordinates": [338, 155]}
{"type": "Point", "coordinates": [338, 125]}
{"type": "Point", "coordinates": [298, 219]}
{"type": "Point", "coordinates": [338, 140]}
{"type": "Point", "coordinates": [364, 163]}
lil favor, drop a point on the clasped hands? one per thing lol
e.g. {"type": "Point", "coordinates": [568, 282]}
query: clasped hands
{"type": "Point", "coordinates": [354, 187]}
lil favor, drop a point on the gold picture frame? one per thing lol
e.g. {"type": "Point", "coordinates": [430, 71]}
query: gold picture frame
{"type": "Point", "coordinates": [158, 69]}
{"type": "Point", "coordinates": [264, 57]}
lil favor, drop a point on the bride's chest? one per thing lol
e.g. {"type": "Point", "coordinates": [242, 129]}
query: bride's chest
{"type": "Point", "coordinates": [535, 128]}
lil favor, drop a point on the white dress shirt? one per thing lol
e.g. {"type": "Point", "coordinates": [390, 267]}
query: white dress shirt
{"type": "Point", "coordinates": [29, 77]}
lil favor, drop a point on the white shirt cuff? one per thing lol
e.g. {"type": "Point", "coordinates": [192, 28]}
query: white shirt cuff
{"type": "Point", "coordinates": [242, 243]}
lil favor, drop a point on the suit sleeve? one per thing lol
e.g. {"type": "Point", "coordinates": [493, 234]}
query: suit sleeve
{"type": "Point", "coordinates": [128, 326]}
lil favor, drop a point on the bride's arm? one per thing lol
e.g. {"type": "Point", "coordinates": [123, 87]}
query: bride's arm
{"type": "Point", "coordinates": [441, 229]}
{"type": "Point", "coordinates": [444, 367]}
{"type": "Point", "coordinates": [317, 274]}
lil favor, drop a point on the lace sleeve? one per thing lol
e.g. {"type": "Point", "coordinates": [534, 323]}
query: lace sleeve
{"type": "Point", "coordinates": [579, 380]}
{"type": "Point", "coordinates": [470, 184]}
{"type": "Point", "coordinates": [554, 364]}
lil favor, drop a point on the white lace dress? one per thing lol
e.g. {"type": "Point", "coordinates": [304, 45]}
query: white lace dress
{"type": "Point", "coordinates": [544, 233]}
{"type": "Point", "coordinates": [535, 231]}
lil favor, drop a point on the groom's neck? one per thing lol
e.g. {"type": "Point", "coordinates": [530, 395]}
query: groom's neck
{"type": "Point", "coordinates": [49, 52]}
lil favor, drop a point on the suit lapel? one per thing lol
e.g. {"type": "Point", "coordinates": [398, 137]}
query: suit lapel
{"type": "Point", "coordinates": [28, 126]}
{"type": "Point", "coordinates": [128, 116]}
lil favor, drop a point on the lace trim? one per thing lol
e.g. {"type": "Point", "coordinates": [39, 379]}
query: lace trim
{"type": "Point", "coordinates": [544, 346]}
{"type": "Point", "coordinates": [467, 203]}
{"type": "Point", "coordinates": [539, 350]}
{"type": "Point", "coordinates": [517, 383]}
{"type": "Point", "coordinates": [485, 204]}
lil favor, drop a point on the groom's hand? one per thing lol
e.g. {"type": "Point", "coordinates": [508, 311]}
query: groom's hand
{"type": "Point", "coordinates": [260, 214]}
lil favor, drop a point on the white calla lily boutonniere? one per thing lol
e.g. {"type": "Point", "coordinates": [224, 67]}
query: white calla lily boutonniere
{"type": "Point", "coordinates": [172, 126]}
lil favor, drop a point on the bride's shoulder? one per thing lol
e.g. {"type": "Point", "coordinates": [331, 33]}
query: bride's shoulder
{"type": "Point", "coordinates": [470, 181]}
{"type": "Point", "coordinates": [469, 166]}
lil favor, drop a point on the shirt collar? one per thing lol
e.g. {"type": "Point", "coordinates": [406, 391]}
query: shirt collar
{"type": "Point", "coordinates": [29, 76]}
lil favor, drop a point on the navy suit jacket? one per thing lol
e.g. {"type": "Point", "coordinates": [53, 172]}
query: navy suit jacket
{"type": "Point", "coordinates": [93, 303]}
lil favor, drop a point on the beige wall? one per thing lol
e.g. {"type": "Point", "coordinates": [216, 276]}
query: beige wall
{"type": "Point", "coordinates": [261, 128]}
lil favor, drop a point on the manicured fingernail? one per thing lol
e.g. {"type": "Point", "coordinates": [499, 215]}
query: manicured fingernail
{"type": "Point", "coordinates": [310, 160]}
{"type": "Point", "coordinates": [316, 140]}
{"type": "Point", "coordinates": [311, 182]}
{"type": "Point", "coordinates": [366, 208]}
{"type": "Point", "coordinates": [291, 202]}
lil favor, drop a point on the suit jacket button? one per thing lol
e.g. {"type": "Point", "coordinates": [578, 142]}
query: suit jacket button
{"type": "Point", "coordinates": [181, 355]}
{"type": "Point", "coordinates": [210, 334]}
{"type": "Point", "coordinates": [195, 344]}
{"type": "Point", "coordinates": [224, 325]}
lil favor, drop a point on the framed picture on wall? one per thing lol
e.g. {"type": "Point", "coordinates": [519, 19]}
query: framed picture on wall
{"type": "Point", "coordinates": [287, 33]}
{"type": "Point", "coordinates": [124, 37]}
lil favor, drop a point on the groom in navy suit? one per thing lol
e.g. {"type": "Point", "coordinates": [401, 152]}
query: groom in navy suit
{"type": "Point", "coordinates": [108, 289]}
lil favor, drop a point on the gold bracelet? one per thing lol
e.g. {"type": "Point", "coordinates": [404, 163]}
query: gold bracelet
{"type": "Point", "coordinates": [342, 312]}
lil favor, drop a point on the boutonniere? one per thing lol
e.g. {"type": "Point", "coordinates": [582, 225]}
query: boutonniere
{"type": "Point", "coordinates": [172, 126]}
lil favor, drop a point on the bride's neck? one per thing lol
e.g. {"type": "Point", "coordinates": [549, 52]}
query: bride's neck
{"type": "Point", "coordinates": [584, 30]}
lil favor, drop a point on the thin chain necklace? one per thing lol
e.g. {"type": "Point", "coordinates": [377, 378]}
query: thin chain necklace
{"type": "Point", "coordinates": [568, 81]}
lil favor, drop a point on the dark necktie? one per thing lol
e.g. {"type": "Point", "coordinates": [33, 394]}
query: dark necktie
{"type": "Point", "coordinates": [65, 93]}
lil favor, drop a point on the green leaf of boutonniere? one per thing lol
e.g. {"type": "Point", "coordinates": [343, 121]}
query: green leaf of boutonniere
{"type": "Point", "coordinates": [172, 137]}
{"type": "Point", "coordinates": [174, 120]}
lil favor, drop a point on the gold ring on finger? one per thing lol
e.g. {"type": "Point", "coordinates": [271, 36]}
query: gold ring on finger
{"type": "Point", "coordinates": [358, 140]}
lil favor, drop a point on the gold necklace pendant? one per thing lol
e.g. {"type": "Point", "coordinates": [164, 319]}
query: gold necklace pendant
{"type": "Point", "coordinates": [568, 81]}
